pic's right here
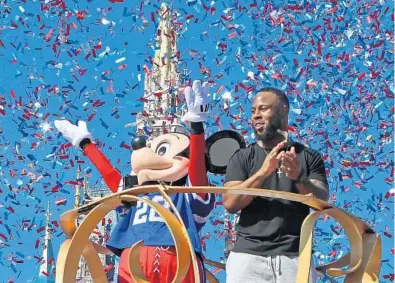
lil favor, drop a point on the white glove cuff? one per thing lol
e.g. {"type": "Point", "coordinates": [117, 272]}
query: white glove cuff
{"type": "Point", "coordinates": [193, 117]}
{"type": "Point", "coordinates": [76, 141]}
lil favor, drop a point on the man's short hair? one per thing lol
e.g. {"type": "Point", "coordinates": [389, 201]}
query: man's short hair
{"type": "Point", "coordinates": [279, 94]}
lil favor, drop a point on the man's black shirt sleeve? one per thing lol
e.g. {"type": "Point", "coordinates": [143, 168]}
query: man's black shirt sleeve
{"type": "Point", "coordinates": [236, 169]}
{"type": "Point", "coordinates": [317, 167]}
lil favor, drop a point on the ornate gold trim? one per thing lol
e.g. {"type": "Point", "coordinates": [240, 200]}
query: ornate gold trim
{"type": "Point", "coordinates": [363, 260]}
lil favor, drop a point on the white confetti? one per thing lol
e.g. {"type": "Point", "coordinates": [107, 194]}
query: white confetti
{"type": "Point", "coordinates": [120, 60]}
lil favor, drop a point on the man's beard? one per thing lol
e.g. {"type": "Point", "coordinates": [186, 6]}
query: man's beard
{"type": "Point", "coordinates": [271, 130]}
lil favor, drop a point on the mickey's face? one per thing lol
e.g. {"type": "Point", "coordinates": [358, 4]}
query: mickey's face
{"type": "Point", "coordinates": [166, 158]}
{"type": "Point", "coordinates": [163, 159]}
{"type": "Point", "coordinates": [170, 145]}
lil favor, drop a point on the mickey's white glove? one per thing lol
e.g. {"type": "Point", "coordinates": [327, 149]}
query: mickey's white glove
{"type": "Point", "coordinates": [197, 102]}
{"type": "Point", "coordinates": [72, 133]}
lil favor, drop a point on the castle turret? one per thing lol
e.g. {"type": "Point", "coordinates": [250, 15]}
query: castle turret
{"type": "Point", "coordinates": [47, 267]}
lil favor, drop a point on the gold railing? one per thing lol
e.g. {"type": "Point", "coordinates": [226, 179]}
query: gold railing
{"type": "Point", "coordinates": [361, 264]}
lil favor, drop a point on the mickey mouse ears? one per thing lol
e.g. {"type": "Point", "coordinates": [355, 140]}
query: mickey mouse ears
{"type": "Point", "coordinates": [219, 149]}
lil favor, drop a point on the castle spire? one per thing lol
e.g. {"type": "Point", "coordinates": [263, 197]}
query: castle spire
{"type": "Point", "coordinates": [161, 113]}
{"type": "Point", "coordinates": [77, 195]}
{"type": "Point", "coordinates": [164, 69]}
{"type": "Point", "coordinates": [85, 193]}
{"type": "Point", "coordinates": [47, 271]}
{"type": "Point", "coordinates": [48, 222]}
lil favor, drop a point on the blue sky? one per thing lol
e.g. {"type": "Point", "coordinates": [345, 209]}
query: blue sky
{"type": "Point", "coordinates": [334, 60]}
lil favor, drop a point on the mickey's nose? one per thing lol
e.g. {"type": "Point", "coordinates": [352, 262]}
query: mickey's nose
{"type": "Point", "coordinates": [139, 142]}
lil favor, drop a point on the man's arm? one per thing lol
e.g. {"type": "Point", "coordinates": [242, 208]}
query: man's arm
{"type": "Point", "coordinates": [293, 170]}
{"type": "Point", "coordinates": [234, 203]}
{"type": "Point", "coordinates": [317, 188]}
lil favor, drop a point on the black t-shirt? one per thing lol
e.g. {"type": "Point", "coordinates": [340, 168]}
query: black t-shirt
{"type": "Point", "coordinates": [270, 226]}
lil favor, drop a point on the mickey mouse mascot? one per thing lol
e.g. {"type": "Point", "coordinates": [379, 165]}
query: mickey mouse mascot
{"type": "Point", "coordinates": [173, 158]}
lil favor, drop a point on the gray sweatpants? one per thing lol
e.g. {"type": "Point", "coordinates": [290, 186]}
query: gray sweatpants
{"type": "Point", "coordinates": [247, 268]}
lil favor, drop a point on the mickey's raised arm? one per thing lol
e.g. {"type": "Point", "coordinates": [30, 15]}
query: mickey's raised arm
{"type": "Point", "coordinates": [81, 138]}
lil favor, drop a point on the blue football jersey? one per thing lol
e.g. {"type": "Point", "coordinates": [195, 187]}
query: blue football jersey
{"type": "Point", "coordinates": [140, 222]}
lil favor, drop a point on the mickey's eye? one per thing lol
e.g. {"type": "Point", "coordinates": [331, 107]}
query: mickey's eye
{"type": "Point", "coordinates": [162, 149]}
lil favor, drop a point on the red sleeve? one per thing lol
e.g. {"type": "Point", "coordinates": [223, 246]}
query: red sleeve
{"type": "Point", "coordinates": [111, 176]}
{"type": "Point", "coordinates": [197, 162]}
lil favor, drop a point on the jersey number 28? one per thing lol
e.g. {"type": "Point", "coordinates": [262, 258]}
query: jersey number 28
{"type": "Point", "coordinates": [145, 213]}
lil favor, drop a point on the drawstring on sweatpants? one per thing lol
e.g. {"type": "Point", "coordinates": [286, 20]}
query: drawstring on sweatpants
{"type": "Point", "coordinates": [278, 264]}
{"type": "Point", "coordinates": [275, 262]}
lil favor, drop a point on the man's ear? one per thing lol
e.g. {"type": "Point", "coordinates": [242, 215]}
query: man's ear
{"type": "Point", "coordinates": [284, 110]}
{"type": "Point", "coordinates": [219, 149]}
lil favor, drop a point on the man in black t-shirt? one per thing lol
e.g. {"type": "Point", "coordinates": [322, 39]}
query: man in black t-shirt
{"type": "Point", "coordinates": [268, 232]}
